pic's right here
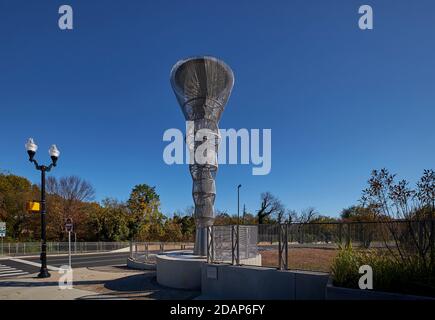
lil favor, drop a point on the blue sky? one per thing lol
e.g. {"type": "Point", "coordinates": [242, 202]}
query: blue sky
{"type": "Point", "coordinates": [340, 101]}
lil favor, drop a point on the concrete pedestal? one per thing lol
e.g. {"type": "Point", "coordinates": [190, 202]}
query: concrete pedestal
{"type": "Point", "coordinates": [182, 269]}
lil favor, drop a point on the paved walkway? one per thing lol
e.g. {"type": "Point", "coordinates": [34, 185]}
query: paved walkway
{"type": "Point", "coordinates": [100, 283]}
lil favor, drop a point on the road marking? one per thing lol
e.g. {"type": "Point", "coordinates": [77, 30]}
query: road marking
{"type": "Point", "coordinates": [11, 270]}
{"type": "Point", "coordinates": [34, 264]}
{"type": "Point", "coordinates": [7, 271]}
{"type": "Point", "coordinates": [12, 274]}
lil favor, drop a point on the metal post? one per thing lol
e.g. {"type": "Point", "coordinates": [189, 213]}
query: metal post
{"type": "Point", "coordinates": [340, 233]}
{"type": "Point", "coordinates": [238, 224]}
{"type": "Point", "coordinates": [432, 241]}
{"type": "Point", "coordinates": [209, 245]}
{"type": "Point", "coordinates": [238, 245]}
{"type": "Point", "coordinates": [75, 242]}
{"type": "Point", "coordinates": [286, 246]}
{"type": "Point", "coordinates": [43, 273]}
{"type": "Point", "coordinates": [279, 248]}
{"type": "Point", "coordinates": [69, 248]}
{"type": "Point", "coordinates": [233, 258]}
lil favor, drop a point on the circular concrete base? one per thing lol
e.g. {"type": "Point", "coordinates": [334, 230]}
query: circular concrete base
{"type": "Point", "coordinates": [180, 269]}
{"type": "Point", "coordinates": [138, 265]}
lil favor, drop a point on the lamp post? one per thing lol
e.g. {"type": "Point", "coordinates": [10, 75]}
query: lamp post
{"type": "Point", "coordinates": [238, 203]}
{"type": "Point", "coordinates": [238, 223]}
{"type": "Point", "coordinates": [54, 153]}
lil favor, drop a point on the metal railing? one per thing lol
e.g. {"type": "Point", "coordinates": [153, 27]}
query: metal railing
{"type": "Point", "coordinates": [146, 251]}
{"type": "Point", "coordinates": [34, 248]}
{"type": "Point", "coordinates": [278, 244]}
{"type": "Point", "coordinates": [232, 243]}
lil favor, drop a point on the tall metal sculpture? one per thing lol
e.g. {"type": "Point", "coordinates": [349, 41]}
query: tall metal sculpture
{"type": "Point", "coordinates": [202, 86]}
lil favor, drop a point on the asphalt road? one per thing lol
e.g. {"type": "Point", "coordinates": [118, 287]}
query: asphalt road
{"type": "Point", "coordinates": [11, 267]}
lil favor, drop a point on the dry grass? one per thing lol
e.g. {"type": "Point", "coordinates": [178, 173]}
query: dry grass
{"type": "Point", "coordinates": [313, 259]}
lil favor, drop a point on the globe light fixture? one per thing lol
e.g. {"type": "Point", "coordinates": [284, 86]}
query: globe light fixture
{"type": "Point", "coordinates": [31, 148]}
{"type": "Point", "coordinates": [54, 154]}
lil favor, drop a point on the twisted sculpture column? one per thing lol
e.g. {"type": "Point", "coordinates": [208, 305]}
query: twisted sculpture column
{"type": "Point", "coordinates": [202, 86]}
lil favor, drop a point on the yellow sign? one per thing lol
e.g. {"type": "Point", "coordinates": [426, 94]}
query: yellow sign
{"type": "Point", "coordinates": [33, 206]}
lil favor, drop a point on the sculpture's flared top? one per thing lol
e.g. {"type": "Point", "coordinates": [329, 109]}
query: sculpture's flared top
{"type": "Point", "coordinates": [202, 86]}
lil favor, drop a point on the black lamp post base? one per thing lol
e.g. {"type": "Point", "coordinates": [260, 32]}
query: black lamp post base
{"type": "Point", "coordinates": [44, 273]}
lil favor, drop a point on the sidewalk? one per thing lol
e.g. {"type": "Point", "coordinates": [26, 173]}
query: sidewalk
{"type": "Point", "coordinates": [30, 287]}
{"type": "Point", "coordinates": [97, 283]}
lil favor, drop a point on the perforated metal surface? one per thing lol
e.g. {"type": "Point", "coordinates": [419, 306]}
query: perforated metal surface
{"type": "Point", "coordinates": [202, 86]}
{"type": "Point", "coordinates": [223, 240]}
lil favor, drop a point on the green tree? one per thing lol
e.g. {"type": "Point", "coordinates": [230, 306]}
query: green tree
{"type": "Point", "coordinates": [109, 222]}
{"type": "Point", "coordinates": [15, 191]}
{"type": "Point", "coordinates": [146, 220]}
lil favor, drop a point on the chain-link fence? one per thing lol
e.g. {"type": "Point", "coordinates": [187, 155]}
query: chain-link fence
{"type": "Point", "coordinates": [34, 248]}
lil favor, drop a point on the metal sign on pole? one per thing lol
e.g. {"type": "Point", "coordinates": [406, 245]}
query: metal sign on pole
{"type": "Point", "coordinates": [69, 229]}
{"type": "Point", "coordinates": [2, 229]}
{"type": "Point", "coordinates": [2, 232]}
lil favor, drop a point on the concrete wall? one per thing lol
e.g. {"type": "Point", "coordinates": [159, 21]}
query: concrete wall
{"type": "Point", "coordinates": [180, 273]}
{"type": "Point", "coordinates": [338, 293]}
{"type": "Point", "coordinates": [220, 281]}
{"type": "Point", "coordinates": [133, 264]}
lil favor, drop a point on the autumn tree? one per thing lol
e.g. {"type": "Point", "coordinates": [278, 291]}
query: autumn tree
{"type": "Point", "coordinates": [15, 191]}
{"type": "Point", "coordinates": [67, 198]}
{"type": "Point", "coordinates": [145, 219]}
{"type": "Point", "coordinates": [109, 222]}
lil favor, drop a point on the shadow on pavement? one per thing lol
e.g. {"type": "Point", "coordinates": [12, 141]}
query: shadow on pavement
{"type": "Point", "coordinates": [145, 286]}
{"type": "Point", "coordinates": [140, 286]}
{"type": "Point", "coordinates": [45, 283]}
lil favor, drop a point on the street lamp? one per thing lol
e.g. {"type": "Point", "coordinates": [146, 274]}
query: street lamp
{"type": "Point", "coordinates": [54, 153]}
{"type": "Point", "coordinates": [238, 203]}
{"type": "Point", "coordinates": [238, 223]}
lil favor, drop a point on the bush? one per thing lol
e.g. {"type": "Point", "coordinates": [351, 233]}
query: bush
{"type": "Point", "coordinates": [389, 275]}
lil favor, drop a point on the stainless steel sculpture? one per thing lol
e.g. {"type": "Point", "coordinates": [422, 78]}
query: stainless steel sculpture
{"type": "Point", "coordinates": [202, 86]}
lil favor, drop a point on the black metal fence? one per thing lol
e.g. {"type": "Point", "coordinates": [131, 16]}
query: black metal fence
{"type": "Point", "coordinates": [278, 244]}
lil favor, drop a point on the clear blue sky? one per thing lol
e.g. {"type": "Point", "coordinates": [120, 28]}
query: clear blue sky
{"type": "Point", "coordinates": [340, 101]}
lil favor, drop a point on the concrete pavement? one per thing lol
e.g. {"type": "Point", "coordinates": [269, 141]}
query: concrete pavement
{"type": "Point", "coordinates": [95, 277]}
{"type": "Point", "coordinates": [32, 264]}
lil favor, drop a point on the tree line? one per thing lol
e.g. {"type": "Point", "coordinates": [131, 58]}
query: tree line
{"type": "Point", "coordinates": [140, 217]}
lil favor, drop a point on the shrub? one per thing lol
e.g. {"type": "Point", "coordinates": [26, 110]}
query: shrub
{"type": "Point", "coordinates": [389, 274]}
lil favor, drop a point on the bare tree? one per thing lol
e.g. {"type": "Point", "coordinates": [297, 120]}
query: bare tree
{"type": "Point", "coordinates": [270, 206]}
{"type": "Point", "coordinates": [71, 188]}
{"type": "Point", "coordinates": [66, 200]}
{"type": "Point", "coordinates": [308, 215]}
{"type": "Point", "coordinates": [292, 216]}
